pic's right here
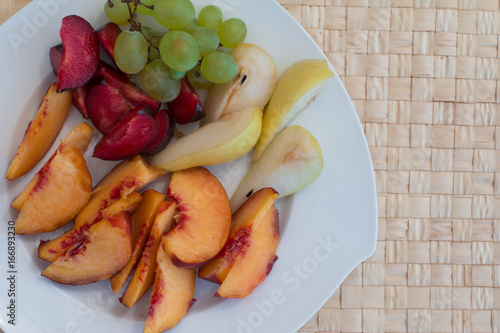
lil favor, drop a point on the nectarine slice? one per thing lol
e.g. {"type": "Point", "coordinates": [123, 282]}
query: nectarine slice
{"type": "Point", "coordinates": [103, 251]}
{"type": "Point", "coordinates": [127, 177]}
{"type": "Point", "coordinates": [142, 221]}
{"type": "Point", "coordinates": [204, 217]}
{"type": "Point", "coordinates": [51, 250]}
{"type": "Point", "coordinates": [41, 133]}
{"type": "Point", "coordinates": [172, 294]}
{"type": "Point", "coordinates": [243, 221]}
{"type": "Point", "coordinates": [114, 193]}
{"type": "Point", "coordinates": [59, 190]}
{"type": "Point", "coordinates": [256, 258]}
{"type": "Point", "coordinates": [144, 274]}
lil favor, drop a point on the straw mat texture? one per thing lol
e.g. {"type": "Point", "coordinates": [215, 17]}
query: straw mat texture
{"type": "Point", "coordinates": [423, 76]}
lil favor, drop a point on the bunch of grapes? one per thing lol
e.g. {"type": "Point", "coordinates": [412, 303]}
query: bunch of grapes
{"type": "Point", "coordinates": [192, 47]}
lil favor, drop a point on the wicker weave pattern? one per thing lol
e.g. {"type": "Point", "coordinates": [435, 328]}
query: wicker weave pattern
{"type": "Point", "coordinates": [423, 76]}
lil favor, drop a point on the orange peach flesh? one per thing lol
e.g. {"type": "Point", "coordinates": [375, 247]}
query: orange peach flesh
{"type": "Point", "coordinates": [60, 189]}
{"type": "Point", "coordinates": [103, 251]}
{"type": "Point", "coordinates": [142, 221]}
{"type": "Point", "coordinates": [204, 217]}
{"type": "Point", "coordinates": [42, 132]}
{"type": "Point", "coordinates": [244, 219]}
{"type": "Point", "coordinates": [124, 179]}
{"type": "Point", "coordinates": [114, 193]}
{"type": "Point", "coordinates": [172, 294]}
{"type": "Point", "coordinates": [254, 264]}
{"type": "Point", "coordinates": [51, 250]}
{"type": "Point", "coordinates": [144, 274]}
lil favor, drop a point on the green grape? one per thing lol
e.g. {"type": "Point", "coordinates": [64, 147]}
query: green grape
{"type": "Point", "coordinates": [158, 83]}
{"type": "Point", "coordinates": [154, 40]}
{"type": "Point", "coordinates": [145, 10]}
{"type": "Point", "coordinates": [192, 26]}
{"type": "Point", "coordinates": [179, 50]}
{"type": "Point", "coordinates": [174, 14]}
{"type": "Point", "coordinates": [207, 40]}
{"type": "Point", "coordinates": [154, 48]}
{"type": "Point", "coordinates": [210, 17]}
{"type": "Point", "coordinates": [147, 32]}
{"type": "Point", "coordinates": [219, 67]}
{"type": "Point", "coordinates": [131, 51]}
{"type": "Point", "coordinates": [197, 79]}
{"type": "Point", "coordinates": [117, 11]}
{"type": "Point", "coordinates": [232, 32]}
{"type": "Point", "coordinates": [176, 74]}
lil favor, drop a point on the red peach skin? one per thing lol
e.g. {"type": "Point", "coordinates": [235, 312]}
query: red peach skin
{"type": "Point", "coordinates": [59, 190]}
{"type": "Point", "coordinates": [144, 274]}
{"type": "Point", "coordinates": [104, 249]}
{"type": "Point", "coordinates": [142, 221]}
{"type": "Point", "coordinates": [204, 217]}
{"type": "Point", "coordinates": [172, 294]}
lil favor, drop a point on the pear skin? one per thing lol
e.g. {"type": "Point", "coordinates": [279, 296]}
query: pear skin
{"type": "Point", "coordinates": [219, 142]}
{"type": "Point", "coordinates": [252, 86]}
{"type": "Point", "coordinates": [298, 86]}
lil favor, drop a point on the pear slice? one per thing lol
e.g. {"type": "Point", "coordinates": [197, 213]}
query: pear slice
{"type": "Point", "coordinates": [292, 161]}
{"type": "Point", "coordinates": [219, 142]}
{"type": "Point", "coordinates": [300, 84]}
{"type": "Point", "coordinates": [252, 86]}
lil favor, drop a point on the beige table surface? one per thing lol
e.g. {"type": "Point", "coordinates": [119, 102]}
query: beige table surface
{"type": "Point", "coordinates": [423, 76]}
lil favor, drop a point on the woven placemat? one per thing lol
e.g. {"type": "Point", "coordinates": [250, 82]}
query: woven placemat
{"type": "Point", "coordinates": [423, 77]}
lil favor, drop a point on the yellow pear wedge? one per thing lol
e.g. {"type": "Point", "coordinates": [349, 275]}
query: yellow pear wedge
{"type": "Point", "coordinates": [298, 85]}
{"type": "Point", "coordinates": [252, 86]}
{"type": "Point", "coordinates": [219, 142]}
{"type": "Point", "coordinates": [292, 161]}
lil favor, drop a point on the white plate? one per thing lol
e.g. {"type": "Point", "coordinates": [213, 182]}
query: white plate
{"type": "Point", "coordinates": [330, 228]}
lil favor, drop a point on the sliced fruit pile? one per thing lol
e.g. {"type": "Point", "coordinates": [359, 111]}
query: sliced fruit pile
{"type": "Point", "coordinates": [164, 240]}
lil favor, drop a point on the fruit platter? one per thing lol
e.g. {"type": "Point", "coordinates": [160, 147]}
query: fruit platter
{"type": "Point", "coordinates": [175, 165]}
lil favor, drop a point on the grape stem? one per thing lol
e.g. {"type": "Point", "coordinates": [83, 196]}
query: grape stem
{"type": "Point", "coordinates": [135, 25]}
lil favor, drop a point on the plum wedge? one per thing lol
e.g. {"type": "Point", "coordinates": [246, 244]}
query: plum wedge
{"type": "Point", "coordinates": [107, 37]}
{"type": "Point", "coordinates": [133, 93]}
{"type": "Point", "coordinates": [187, 107]}
{"type": "Point", "coordinates": [129, 137]}
{"type": "Point", "coordinates": [79, 94]}
{"type": "Point", "coordinates": [80, 53]}
{"type": "Point", "coordinates": [105, 106]}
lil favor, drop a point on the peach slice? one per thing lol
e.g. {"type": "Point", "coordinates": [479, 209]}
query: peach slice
{"type": "Point", "coordinates": [142, 221]}
{"type": "Point", "coordinates": [204, 217]}
{"type": "Point", "coordinates": [257, 254]}
{"type": "Point", "coordinates": [144, 274]}
{"type": "Point", "coordinates": [41, 133]}
{"type": "Point", "coordinates": [51, 250]}
{"type": "Point", "coordinates": [243, 221]}
{"type": "Point", "coordinates": [114, 193]}
{"type": "Point", "coordinates": [172, 294]}
{"type": "Point", "coordinates": [127, 177]}
{"type": "Point", "coordinates": [60, 189]}
{"type": "Point", "coordinates": [103, 251]}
